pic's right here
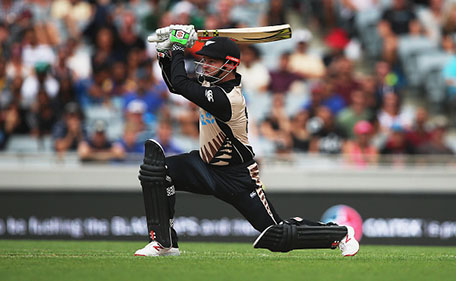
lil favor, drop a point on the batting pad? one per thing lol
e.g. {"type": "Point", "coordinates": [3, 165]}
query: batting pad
{"type": "Point", "coordinates": [285, 237]}
{"type": "Point", "coordinates": [152, 175]}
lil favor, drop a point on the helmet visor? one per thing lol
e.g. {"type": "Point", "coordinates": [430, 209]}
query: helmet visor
{"type": "Point", "coordinates": [212, 73]}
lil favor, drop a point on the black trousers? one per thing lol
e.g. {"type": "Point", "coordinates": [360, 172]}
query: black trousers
{"type": "Point", "coordinates": [238, 185]}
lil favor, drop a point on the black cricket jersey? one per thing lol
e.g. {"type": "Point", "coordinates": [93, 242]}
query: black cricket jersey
{"type": "Point", "coordinates": [223, 132]}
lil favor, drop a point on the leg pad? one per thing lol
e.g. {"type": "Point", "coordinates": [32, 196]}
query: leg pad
{"type": "Point", "coordinates": [285, 237]}
{"type": "Point", "coordinates": [152, 176]}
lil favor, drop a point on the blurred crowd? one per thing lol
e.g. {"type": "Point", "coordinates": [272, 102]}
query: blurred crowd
{"type": "Point", "coordinates": [80, 74]}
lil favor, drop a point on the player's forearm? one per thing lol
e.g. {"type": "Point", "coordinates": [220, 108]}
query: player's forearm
{"type": "Point", "coordinates": [178, 74]}
{"type": "Point", "coordinates": [165, 65]}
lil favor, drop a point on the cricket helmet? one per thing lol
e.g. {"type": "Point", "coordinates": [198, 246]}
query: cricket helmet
{"type": "Point", "coordinates": [221, 48]}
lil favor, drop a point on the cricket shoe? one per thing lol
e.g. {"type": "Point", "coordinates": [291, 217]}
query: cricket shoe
{"type": "Point", "coordinates": [154, 249]}
{"type": "Point", "coordinates": [348, 245]}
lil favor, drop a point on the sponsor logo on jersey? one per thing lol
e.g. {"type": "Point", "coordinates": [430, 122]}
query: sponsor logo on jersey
{"type": "Point", "coordinates": [209, 95]}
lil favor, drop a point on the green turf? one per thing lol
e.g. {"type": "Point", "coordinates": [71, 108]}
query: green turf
{"type": "Point", "coordinates": [76, 260]}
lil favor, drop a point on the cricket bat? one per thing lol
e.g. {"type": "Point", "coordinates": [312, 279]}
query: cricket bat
{"type": "Point", "coordinates": [248, 35]}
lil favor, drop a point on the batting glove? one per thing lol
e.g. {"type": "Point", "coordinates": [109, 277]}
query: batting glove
{"type": "Point", "coordinates": [162, 33]}
{"type": "Point", "coordinates": [184, 35]}
{"type": "Point", "coordinates": [163, 48]}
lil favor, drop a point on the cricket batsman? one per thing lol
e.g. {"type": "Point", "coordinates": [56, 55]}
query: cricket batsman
{"type": "Point", "coordinates": [224, 165]}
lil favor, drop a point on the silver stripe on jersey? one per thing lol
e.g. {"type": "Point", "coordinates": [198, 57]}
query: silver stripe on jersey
{"type": "Point", "coordinates": [255, 175]}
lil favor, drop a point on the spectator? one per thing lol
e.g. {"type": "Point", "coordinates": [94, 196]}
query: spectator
{"type": "Point", "coordinates": [224, 8]}
{"type": "Point", "coordinates": [42, 79]}
{"type": "Point", "coordinates": [354, 113]}
{"type": "Point", "coordinates": [128, 36]}
{"type": "Point", "coordinates": [15, 66]}
{"type": "Point", "coordinates": [119, 79]}
{"type": "Point", "coordinates": [336, 41]}
{"type": "Point", "coordinates": [131, 143]}
{"type": "Point", "coordinates": [20, 26]}
{"type": "Point", "coordinates": [360, 151]}
{"type": "Point", "coordinates": [11, 10]}
{"type": "Point", "coordinates": [432, 19]}
{"type": "Point", "coordinates": [102, 17]}
{"type": "Point", "coordinates": [105, 54]}
{"type": "Point", "coordinates": [98, 148]}
{"type": "Point", "coordinates": [397, 142]}
{"type": "Point", "coordinates": [4, 36]}
{"type": "Point", "coordinates": [307, 65]}
{"type": "Point", "coordinates": [385, 81]}
{"type": "Point", "coordinates": [154, 83]}
{"type": "Point", "coordinates": [188, 120]}
{"type": "Point", "coordinates": [391, 114]}
{"type": "Point", "coordinates": [327, 136]}
{"type": "Point", "coordinates": [420, 131]}
{"type": "Point", "coordinates": [449, 75]}
{"type": "Point", "coordinates": [255, 75]}
{"type": "Point", "coordinates": [164, 137]}
{"type": "Point", "coordinates": [276, 126]}
{"type": "Point", "coordinates": [350, 8]}
{"type": "Point", "coordinates": [98, 90]}
{"type": "Point", "coordinates": [72, 16]}
{"type": "Point", "coordinates": [449, 21]}
{"type": "Point", "coordinates": [34, 51]}
{"type": "Point", "coordinates": [182, 12]}
{"type": "Point", "coordinates": [60, 68]}
{"type": "Point", "coordinates": [276, 13]}
{"type": "Point", "coordinates": [368, 86]}
{"type": "Point", "coordinates": [396, 21]}
{"type": "Point", "coordinates": [135, 116]}
{"type": "Point", "coordinates": [323, 94]}
{"type": "Point", "coordinates": [66, 92]}
{"type": "Point", "coordinates": [437, 143]}
{"type": "Point", "coordinates": [283, 79]}
{"type": "Point", "coordinates": [43, 113]}
{"type": "Point", "coordinates": [69, 131]}
{"type": "Point", "coordinates": [448, 43]}
{"type": "Point", "coordinates": [5, 95]}
{"type": "Point", "coordinates": [9, 122]}
{"type": "Point", "coordinates": [11, 104]}
{"type": "Point", "coordinates": [78, 60]}
{"type": "Point", "coordinates": [149, 95]}
{"type": "Point", "coordinates": [341, 72]}
{"type": "Point", "coordinates": [299, 133]}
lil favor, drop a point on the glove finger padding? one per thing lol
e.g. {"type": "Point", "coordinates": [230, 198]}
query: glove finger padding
{"type": "Point", "coordinates": [163, 33]}
{"type": "Point", "coordinates": [193, 38]}
{"type": "Point", "coordinates": [163, 48]}
{"type": "Point", "coordinates": [183, 35]}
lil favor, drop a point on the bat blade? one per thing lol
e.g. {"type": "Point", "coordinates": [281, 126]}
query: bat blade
{"type": "Point", "coordinates": [247, 35]}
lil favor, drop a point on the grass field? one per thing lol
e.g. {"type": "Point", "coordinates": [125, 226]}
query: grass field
{"type": "Point", "coordinates": [76, 260]}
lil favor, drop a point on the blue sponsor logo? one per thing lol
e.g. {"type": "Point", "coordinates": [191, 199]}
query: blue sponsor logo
{"type": "Point", "coordinates": [207, 119]}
